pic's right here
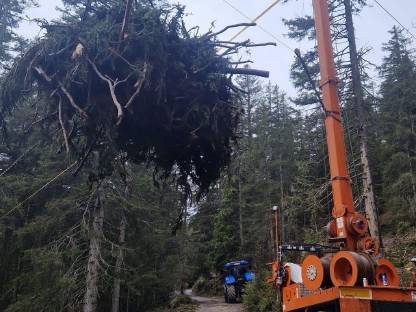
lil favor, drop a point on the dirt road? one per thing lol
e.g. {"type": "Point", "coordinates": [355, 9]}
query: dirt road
{"type": "Point", "coordinates": [215, 304]}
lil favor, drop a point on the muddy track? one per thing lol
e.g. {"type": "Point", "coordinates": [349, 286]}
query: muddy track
{"type": "Point", "coordinates": [214, 304]}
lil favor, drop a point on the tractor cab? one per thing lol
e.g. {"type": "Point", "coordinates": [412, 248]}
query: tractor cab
{"type": "Point", "coordinates": [237, 275]}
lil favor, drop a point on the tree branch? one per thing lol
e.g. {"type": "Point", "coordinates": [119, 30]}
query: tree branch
{"type": "Point", "coordinates": [45, 76]}
{"type": "Point", "coordinates": [138, 85]}
{"type": "Point", "coordinates": [231, 26]}
{"type": "Point", "coordinates": [71, 100]}
{"type": "Point", "coordinates": [126, 18]}
{"type": "Point", "coordinates": [112, 87]}
{"type": "Point", "coordinates": [61, 121]}
{"type": "Point", "coordinates": [260, 44]}
{"type": "Point", "coordinates": [241, 62]}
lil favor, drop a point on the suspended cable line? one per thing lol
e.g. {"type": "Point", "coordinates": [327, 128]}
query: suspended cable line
{"type": "Point", "coordinates": [23, 155]}
{"type": "Point", "coordinates": [19, 159]}
{"type": "Point", "coordinates": [393, 17]}
{"type": "Point", "coordinates": [62, 173]}
{"type": "Point", "coordinates": [255, 20]}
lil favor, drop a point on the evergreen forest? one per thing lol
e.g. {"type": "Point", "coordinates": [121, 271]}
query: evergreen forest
{"type": "Point", "coordinates": [122, 209]}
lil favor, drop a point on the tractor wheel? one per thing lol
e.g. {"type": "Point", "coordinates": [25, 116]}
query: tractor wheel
{"type": "Point", "coordinates": [225, 294]}
{"type": "Point", "coordinates": [231, 294]}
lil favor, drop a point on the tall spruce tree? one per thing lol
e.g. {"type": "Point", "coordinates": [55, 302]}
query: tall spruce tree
{"type": "Point", "coordinates": [11, 14]}
{"type": "Point", "coordinates": [397, 112]}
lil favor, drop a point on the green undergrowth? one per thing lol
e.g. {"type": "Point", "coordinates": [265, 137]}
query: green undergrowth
{"type": "Point", "coordinates": [186, 308]}
{"type": "Point", "coordinates": [399, 249]}
{"type": "Point", "coordinates": [259, 296]}
{"type": "Point", "coordinates": [208, 287]}
{"type": "Point", "coordinates": [182, 304]}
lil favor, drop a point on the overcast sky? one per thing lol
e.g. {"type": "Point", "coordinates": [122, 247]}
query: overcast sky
{"type": "Point", "coordinates": [371, 26]}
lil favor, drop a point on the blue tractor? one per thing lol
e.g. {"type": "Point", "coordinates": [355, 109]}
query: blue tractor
{"type": "Point", "coordinates": [237, 275]}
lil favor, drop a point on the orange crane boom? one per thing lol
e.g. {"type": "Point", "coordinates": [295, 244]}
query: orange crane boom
{"type": "Point", "coordinates": [348, 228]}
{"type": "Point", "coordinates": [341, 184]}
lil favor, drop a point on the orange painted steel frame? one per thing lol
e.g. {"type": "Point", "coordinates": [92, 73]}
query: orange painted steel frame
{"type": "Point", "coordinates": [348, 299]}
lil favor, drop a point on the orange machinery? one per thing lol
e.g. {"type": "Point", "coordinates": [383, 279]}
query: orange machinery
{"type": "Point", "coordinates": [354, 277]}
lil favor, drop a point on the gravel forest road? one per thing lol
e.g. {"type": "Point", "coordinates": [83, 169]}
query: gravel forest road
{"type": "Point", "coordinates": [214, 304]}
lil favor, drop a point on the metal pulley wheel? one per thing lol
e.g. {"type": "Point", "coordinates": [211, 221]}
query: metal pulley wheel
{"type": "Point", "coordinates": [348, 268]}
{"type": "Point", "coordinates": [315, 272]}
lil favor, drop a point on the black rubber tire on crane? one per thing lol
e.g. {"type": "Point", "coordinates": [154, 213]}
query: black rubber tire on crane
{"type": "Point", "coordinates": [231, 294]}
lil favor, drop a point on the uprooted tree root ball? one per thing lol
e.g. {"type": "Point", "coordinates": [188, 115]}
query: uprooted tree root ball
{"type": "Point", "coordinates": [133, 80]}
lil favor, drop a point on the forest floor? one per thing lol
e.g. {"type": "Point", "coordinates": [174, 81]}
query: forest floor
{"type": "Point", "coordinates": [214, 304]}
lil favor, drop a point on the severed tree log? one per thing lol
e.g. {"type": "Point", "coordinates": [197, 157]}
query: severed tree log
{"type": "Point", "coordinates": [248, 71]}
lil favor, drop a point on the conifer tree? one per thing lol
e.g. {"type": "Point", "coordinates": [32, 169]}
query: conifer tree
{"type": "Point", "coordinates": [11, 14]}
{"type": "Point", "coordinates": [397, 111]}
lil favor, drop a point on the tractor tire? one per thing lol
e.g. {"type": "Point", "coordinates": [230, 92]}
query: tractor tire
{"type": "Point", "coordinates": [231, 294]}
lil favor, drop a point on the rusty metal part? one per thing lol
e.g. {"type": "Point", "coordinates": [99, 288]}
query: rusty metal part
{"type": "Point", "coordinates": [290, 292]}
{"type": "Point", "coordinates": [331, 229]}
{"type": "Point", "coordinates": [315, 272]}
{"type": "Point", "coordinates": [348, 268]}
{"type": "Point", "coordinates": [275, 270]}
{"type": "Point", "coordinates": [288, 273]}
{"type": "Point", "coordinates": [385, 267]}
{"type": "Point", "coordinates": [358, 225]}
{"type": "Point", "coordinates": [369, 244]}
{"type": "Point", "coordinates": [351, 304]}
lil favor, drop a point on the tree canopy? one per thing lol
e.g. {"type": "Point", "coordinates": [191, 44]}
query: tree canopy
{"type": "Point", "coordinates": [132, 79]}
